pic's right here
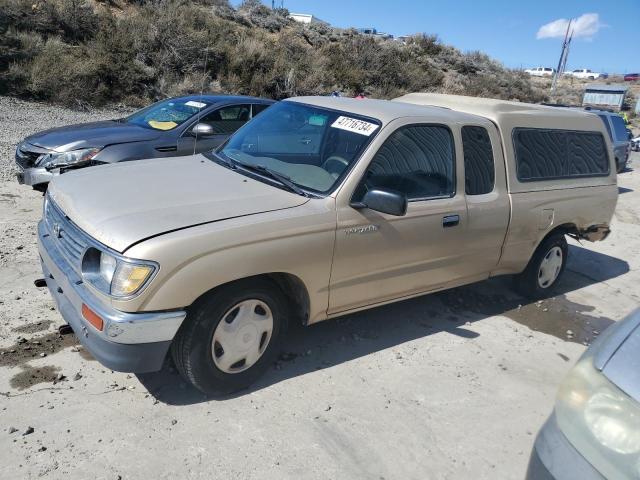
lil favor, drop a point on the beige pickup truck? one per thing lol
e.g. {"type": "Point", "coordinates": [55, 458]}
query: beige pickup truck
{"type": "Point", "coordinates": [315, 209]}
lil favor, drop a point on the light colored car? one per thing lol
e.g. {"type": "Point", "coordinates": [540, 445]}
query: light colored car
{"type": "Point", "coordinates": [317, 208]}
{"type": "Point", "coordinates": [594, 431]}
{"type": "Point", "coordinates": [585, 74]}
{"type": "Point", "coordinates": [541, 71]}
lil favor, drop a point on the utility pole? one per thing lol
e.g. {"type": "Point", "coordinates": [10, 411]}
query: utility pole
{"type": "Point", "coordinates": [564, 55]}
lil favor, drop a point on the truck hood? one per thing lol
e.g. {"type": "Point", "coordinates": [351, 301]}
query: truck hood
{"type": "Point", "coordinates": [123, 203]}
{"type": "Point", "coordinates": [91, 135]}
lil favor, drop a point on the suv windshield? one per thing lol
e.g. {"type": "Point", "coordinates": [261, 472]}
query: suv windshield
{"type": "Point", "coordinates": [311, 146]}
{"type": "Point", "coordinates": [167, 114]}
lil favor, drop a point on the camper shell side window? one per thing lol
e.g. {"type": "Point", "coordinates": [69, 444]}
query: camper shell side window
{"type": "Point", "coordinates": [551, 154]}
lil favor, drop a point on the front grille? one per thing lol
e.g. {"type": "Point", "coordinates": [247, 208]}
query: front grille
{"type": "Point", "coordinates": [70, 240]}
{"type": "Point", "coordinates": [26, 157]}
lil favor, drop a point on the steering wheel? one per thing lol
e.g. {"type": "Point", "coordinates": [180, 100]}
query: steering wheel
{"type": "Point", "coordinates": [335, 165]}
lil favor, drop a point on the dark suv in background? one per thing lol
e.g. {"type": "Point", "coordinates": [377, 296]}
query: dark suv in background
{"type": "Point", "coordinates": [173, 127]}
{"type": "Point", "coordinates": [618, 134]}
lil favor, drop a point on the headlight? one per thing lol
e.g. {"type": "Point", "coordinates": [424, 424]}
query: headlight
{"type": "Point", "coordinates": [129, 277]}
{"type": "Point", "coordinates": [66, 159]}
{"type": "Point", "coordinates": [108, 266]}
{"type": "Point", "coordinates": [600, 420]}
{"type": "Point", "coordinates": [116, 276]}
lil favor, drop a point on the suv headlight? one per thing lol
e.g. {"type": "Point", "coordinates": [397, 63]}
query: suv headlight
{"type": "Point", "coordinates": [600, 420]}
{"type": "Point", "coordinates": [115, 275]}
{"type": "Point", "coordinates": [67, 159]}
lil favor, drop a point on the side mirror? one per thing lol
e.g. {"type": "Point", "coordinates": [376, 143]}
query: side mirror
{"type": "Point", "coordinates": [384, 200]}
{"type": "Point", "coordinates": [202, 130]}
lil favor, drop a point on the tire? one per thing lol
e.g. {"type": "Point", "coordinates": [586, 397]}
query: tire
{"type": "Point", "coordinates": [535, 284]}
{"type": "Point", "coordinates": [203, 363]}
{"type": "Point", "coordinates": [619, 167]}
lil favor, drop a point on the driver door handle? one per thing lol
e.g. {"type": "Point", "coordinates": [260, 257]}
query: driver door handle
{"type": "Point", "coordinates": [450, 221]}
{"type": "Point", "coordinates": [305, 141]}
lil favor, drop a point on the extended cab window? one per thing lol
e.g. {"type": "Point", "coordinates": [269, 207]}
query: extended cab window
{"type": "Point", "coordinates": [416, 160]}
{"type": "Point", "coordinates": [543, 154]}
{"type": "Point", "coordinates": [479, 170]}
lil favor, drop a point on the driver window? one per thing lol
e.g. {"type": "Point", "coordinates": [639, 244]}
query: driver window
{"type": "Point", "coordinates": [227, 120]}
{"type": "Point", "coordinates": [416, 160]}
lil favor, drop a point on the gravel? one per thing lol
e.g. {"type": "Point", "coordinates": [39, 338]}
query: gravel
{"type": "Point", "coordinates": [35, 117]}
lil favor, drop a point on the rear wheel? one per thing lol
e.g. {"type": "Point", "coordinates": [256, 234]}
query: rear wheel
{"type": "Point", "coordinates": [619, 166]}
{"type": "Point", "coordinates": [544, 269]}
{"type": "Point", "coordinates": [231, 336]}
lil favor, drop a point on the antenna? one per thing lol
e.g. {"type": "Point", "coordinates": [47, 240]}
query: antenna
{"type": "Point", "coordinates": [564, 54]}
{"type": "Point", "coordinates": [204, 77]}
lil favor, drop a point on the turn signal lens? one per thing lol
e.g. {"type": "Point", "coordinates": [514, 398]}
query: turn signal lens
{"type": "Point", "coordinates": [128, 278]}
{"type": "Point", "coordinates": [92, 317]}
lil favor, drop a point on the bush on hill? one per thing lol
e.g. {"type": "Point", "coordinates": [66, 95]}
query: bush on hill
{"type": "Point", "coordinates": [77, 52]}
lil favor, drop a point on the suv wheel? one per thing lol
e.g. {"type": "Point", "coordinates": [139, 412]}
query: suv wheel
{"type": "Point", "coordinates": [619, 166]}
{"type": "Point", "coordinates": [544, 269]}
{"type": "Point", "coordinates": [230, 337]}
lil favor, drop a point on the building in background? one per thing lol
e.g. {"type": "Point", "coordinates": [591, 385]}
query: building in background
{"type": "Point", "coordinates": [604, 96]}
{"type": "Point", "coordinates": [307, 19]}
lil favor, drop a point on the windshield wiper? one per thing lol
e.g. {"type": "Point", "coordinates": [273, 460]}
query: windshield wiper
{"type": "Point", "coordinates": [280, 177]}
{"type": "Point", "coordinates": [228, 161]}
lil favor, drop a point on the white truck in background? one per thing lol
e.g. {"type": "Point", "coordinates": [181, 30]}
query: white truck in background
{"type": "Point", "coordinates": [586, 74]}
{"type": "Point", "coordinates": [541, 71]}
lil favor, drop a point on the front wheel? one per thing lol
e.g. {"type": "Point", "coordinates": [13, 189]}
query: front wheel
{"type": "Point", "coordinates": [231, 336]}
{"type": "Point", "coordinates": [544, 269]}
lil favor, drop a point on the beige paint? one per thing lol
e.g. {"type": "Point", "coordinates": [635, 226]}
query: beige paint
{"type": "Point", "coordinates": [248, 228]}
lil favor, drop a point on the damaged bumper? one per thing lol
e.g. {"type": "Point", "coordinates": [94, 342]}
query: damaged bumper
{"type": "Point", "coordinates": [34, 176]}
{"type": "Point", "coordinates": [595, 233]}
{"type": "Point", "coordinates": [128, 342]}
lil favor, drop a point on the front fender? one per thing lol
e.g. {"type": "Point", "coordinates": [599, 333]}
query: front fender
{"type": "Point", "coordinates": [298, 241]}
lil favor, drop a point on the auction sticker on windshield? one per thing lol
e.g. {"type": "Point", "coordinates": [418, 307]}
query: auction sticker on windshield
{"type": "Point", "coordinates": [191, 103]}
{"type": "Point", "coordinates": [354, 125]}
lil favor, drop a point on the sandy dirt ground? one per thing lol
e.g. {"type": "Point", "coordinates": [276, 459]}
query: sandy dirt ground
{"type": "Point", "coordinates": [453, 385]}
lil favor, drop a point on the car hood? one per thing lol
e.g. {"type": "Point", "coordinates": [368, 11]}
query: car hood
{"type": "Point", "coordinates": [121, 204]}
{"type": "Point", "coordinates": [91, 135]}
{"type": "Point", "coordinates": [617, 354]}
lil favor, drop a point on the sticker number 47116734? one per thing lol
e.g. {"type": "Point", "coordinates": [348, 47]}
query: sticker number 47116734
{"type": "Point", "coordinates": [354, 125]}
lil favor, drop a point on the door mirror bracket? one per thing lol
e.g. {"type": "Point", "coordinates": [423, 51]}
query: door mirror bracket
{"type": "Point", "coordinates": [383, 200]}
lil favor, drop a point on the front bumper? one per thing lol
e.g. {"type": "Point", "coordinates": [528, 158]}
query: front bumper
{"type": "Point", "coordinates": [129, 342]}
{"type": "Point", "coordinates": [34, 175]}
{"type": "Point", "coordinates": [554, 458]}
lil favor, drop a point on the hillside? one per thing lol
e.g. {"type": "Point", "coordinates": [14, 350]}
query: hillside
{"type": "Point", "coordinates": [77, 52]}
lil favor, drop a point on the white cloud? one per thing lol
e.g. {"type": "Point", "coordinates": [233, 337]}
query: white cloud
{"type": "Point", "coordinates": [585, 26]}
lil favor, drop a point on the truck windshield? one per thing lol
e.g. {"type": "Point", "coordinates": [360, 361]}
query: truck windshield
{"type": "Point", "coordinates": [167, 114]}
{"type": "Point", "coordinates": [312, 147]}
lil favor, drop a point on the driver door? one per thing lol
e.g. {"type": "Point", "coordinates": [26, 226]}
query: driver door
{"type": "Point", "coordinates": [380, 257]}
{"type": "Point", "coordinates": [224, 121]}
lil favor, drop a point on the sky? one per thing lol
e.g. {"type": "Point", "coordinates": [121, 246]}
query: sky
{"type": "Point", "coordinates": [518, 33]}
